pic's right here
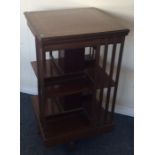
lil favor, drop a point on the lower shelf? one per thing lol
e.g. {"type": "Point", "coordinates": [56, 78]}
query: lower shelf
{"type": "Point", "coordinates": [59, 130]}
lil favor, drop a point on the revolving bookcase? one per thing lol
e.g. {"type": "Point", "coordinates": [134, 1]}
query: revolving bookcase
{"type": "Point", "coordinates": [78, 60]}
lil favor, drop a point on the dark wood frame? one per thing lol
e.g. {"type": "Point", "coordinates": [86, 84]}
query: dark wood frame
{"type": "Point", "coordinates": [101, 119]}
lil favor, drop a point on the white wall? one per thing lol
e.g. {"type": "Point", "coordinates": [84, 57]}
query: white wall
{"type": "Point", "coordinates": [121, 9]}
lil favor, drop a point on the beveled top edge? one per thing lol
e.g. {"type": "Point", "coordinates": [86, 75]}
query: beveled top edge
{"type": "Point", "coordinates": [38, 32]}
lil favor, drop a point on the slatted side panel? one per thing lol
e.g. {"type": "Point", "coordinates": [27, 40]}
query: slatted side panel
{"type": "Point", "coordinates": [110, 61]}
{"type": "Point", "coordinates": [108, 56]}
{"type": "Point", "coordinates": [117, 78]}
{"type": "Point", "coordinates": [110, 76]}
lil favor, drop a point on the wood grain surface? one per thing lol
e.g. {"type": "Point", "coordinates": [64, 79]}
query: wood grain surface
{"type": "Point", "coordinates": [68, 22]}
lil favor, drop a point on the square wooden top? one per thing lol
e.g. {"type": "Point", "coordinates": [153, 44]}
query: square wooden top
{"type": "Point", "coordinates": [71, 22]}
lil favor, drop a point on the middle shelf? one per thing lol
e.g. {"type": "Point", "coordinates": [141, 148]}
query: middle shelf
{"type": "Point", "coordinates": [60, 84]}
{"type": "Point", "coordinates": [90, 77]}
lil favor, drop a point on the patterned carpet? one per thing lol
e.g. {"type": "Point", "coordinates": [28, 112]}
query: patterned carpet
{"type": "Point", "coordinates": [119, 142]}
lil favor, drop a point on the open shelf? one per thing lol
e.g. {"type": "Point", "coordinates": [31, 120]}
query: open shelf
{"type": "Point", "coordinates": [81, 81]}
{"type": "Point", "coordinates": [63, 84]}
{"type": "Point", "coordinates": [52, 68]}
{"type": "Point", "coordinates": [67, 87]}
{"type": "Point", "coordinates": [71, 126]}
{"type": "Point", "coordinates": [88, 62]}
{"type": "Point", "coordinates": [54, 107]}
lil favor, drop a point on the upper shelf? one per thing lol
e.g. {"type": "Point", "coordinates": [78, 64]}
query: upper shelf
{"type": "Point", "coordinates": [53, 70]}
{"type": "Point", "coordinates": [60, 84]}
{"type": "Point", "coordinates": [72, 22]}
{"type": "Point", "coordinates": [50, 70]}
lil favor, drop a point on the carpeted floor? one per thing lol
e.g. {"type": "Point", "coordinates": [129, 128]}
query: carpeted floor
{"type": "Point", "coordinates": [118, 142]}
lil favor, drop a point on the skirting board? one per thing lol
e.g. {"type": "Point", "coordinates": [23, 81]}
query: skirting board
{"type": "Point", "coordinates": [120, 109]}
{"type": "Point", "coordinates": [125, 110]}
{"type": "Point", "coordinates": [28, 90]}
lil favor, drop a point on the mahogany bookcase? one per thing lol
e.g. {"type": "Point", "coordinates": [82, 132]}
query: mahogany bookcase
{"type": "Point", "coordinates": [78, 60]}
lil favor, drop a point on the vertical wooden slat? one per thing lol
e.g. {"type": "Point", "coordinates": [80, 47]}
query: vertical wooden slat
{"type": "Point", "coordinates": [105, 57]}
{"type": "Point", "coordinates": [90, 52]}
{"type": "Point", "coordinates": [93, 54]}
{"type": "Point", "coordinates": [97, 56]}
{"type": "Point", "coordinates": [94, 106]}
{"type": "Point", "coordinates": [44, 61]}
{"type": "Point", "coordinates": [117, 78]}
{"type": "Point", "coordinates": [101, 97]}
{"type": "Point", "coordinates": [51, 70]}
{"type": "Point", "coordinates": [110, 77]}
{"type": "Point", "coordinates": [104, 68]}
